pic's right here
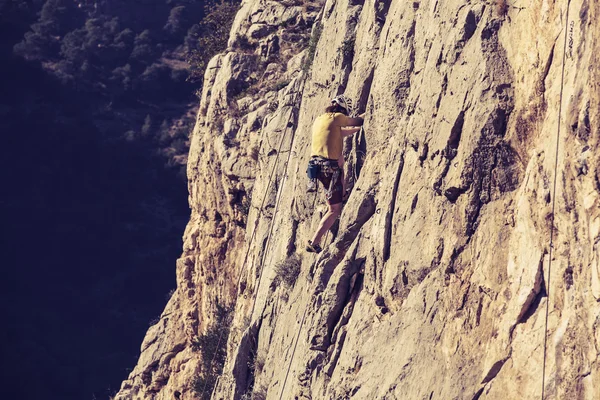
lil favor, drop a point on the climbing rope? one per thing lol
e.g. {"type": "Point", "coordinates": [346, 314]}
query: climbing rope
{"type": "Point", "coordinates": [562, 79]}
{"type": "Point", "coordinates": [260, 211]}
{"type": "Point", "coordinates": [293, 352]}
{"type": "Point", "coordinates": [266, 248]}
{"type": "Point", "coordinates": [299, 331]}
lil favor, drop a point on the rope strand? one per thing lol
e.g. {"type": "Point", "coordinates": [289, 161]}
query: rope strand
{"type": "Point", "coordinates": [266, 250]}
{"type": "Point", "coordinates": [252, 239]}
{"type": "Point", "coordinates": [298, 334]}
{"type": "Point", "coordinates": [551, 252]}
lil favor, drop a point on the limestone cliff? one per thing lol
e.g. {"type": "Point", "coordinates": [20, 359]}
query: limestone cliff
{"type": "Point", "coordinates": [472, 233]}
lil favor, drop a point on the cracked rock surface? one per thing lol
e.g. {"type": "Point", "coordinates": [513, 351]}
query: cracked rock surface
{"type": "Point", "coordinates": [435, 282]}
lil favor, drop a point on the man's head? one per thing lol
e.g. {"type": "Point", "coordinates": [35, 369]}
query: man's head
{"type": "Point", "coordinates": [340, 104]}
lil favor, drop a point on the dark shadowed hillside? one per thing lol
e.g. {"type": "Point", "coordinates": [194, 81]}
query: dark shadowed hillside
{"type": "Point", "coordinates": [90, 230]}
{"type": "Point", "coordinates": [95, 112]}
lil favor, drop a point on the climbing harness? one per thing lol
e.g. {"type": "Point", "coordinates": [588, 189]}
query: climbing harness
{"type": "Point", "coordinates": [550, 251]}
{"type": "Point", "coordinates": [324, 168]}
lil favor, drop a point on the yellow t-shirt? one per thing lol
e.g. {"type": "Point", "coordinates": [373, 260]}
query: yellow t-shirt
{"type": "Point", "coordinates": [327, 135]}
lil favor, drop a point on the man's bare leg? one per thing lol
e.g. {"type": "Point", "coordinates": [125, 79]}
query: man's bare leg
{"type": "Point", "coordinates": [326, 222]}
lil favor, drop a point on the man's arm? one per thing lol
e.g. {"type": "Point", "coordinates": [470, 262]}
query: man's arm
{"type": "Point", "coordinates": [358, 121]}
{"type": "Point", "coordinates": [343, 121]}
{"type": "Point", "coordinates": [349, 131]}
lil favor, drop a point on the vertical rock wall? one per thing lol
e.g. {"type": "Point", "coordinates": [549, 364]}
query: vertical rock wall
{"type": "Point", "coordinates": [436, 281]}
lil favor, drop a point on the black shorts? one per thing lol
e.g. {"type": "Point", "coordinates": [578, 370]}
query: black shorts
{"type": "Point", "coordinates": [332, 183]}
{"type": "Point", "coordinates": [331, 176]}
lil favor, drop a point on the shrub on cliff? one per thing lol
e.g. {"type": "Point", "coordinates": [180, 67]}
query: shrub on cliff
{"type": "Point", "coordinates": [287, 271]}
{"type": "Point", "coordinates": [312, 47]}
{"type": "Point", "coordinates": [212, 346]}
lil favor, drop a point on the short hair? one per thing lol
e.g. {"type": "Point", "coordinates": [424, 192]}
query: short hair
{"type": "Point", "coordinates": [335, 108]}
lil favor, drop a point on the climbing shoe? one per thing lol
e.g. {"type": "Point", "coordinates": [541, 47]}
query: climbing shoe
{"type": "Point", "coordinates": [313, 248]}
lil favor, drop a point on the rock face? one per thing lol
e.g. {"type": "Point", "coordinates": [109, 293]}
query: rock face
{"type": "Point", "coordinates": [466, 262]}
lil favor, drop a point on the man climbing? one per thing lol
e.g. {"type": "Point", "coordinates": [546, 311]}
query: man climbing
{"type": "Point", "coordinates": [327, 161]}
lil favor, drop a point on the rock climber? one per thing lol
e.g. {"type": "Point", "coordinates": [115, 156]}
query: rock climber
{"type": "Point", "coordinates": [327, 161]}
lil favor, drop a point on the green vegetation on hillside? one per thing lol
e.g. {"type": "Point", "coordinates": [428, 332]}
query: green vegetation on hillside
{"type": "Point", "coordinates": [137, 64]}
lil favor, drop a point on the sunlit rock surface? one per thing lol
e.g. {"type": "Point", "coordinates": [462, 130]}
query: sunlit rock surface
{"type": "Point", "coordinates": [436, 282]}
